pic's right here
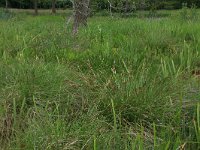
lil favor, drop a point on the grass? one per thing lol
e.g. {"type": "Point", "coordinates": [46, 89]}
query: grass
{"type": "Point", "coordinates": [122, 83]}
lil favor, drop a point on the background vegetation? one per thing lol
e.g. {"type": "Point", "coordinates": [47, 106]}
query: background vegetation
{"type": "Point", "coordinates": [104, 4]}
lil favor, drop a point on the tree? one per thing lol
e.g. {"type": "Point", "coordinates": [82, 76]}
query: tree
{"type": "Point", "coordinates": [81, 12]}
{"type": "Point", "coordinates": [36, 6]}
{"type": "Point", "coordinates": [53, 6]}
{"type": "Point", "coordinates": [6, 4]}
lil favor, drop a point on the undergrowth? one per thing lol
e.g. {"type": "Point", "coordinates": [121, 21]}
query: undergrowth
{"type": "Point", "coordinates": [122, 83]}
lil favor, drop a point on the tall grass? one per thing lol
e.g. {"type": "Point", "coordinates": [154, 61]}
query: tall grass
{"type": "Point", "coordinates": [120, 84]}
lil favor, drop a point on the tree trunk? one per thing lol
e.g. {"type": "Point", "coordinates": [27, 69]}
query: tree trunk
{"type": "Point", "coordinates": [6, 4]}
{"type": "Point", "coordinates": [81, 12]}
{"type": "Point", "coordinates": [53, 6]}
{"type": "Point", "coordinates": [36, 7]}
{"type": "Point", "coordinates": [126, 6]}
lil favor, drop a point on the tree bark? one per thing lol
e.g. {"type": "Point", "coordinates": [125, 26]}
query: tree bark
{"type": "Point", "coordinates": [36, 7]}
{"type": "Point", "coordinates": [6, 4]}
{"type": "Point", "coordinates": [81, 12]}
{"type": "Point", "coordinates": [53, 6]}
{"type": "Point", "coordinates": [127, 6]}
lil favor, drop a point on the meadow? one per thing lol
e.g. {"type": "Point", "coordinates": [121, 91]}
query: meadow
{"type": "Point", "coordinates": [120, 84]}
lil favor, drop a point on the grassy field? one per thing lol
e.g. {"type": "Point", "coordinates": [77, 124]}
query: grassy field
{"type": "Point", "coordinates": [122, 83]}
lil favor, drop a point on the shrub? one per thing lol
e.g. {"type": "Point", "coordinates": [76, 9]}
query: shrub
{"type": "Point", "coordinates": [188, 14]}
{"type": "Point", "coordinates": [5, 14]}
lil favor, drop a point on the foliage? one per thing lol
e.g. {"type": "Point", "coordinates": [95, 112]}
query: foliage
{"type": "Point", "coordinates": [5, 14]}
{"type": "Point", "coordinates": [104, 4]}
{"type": "Point", "coordinates": [24, 4]}
{"type": "Point", "coordinates": [188, 14]}
{"type": "Point", "coordinates": [122, 83]}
